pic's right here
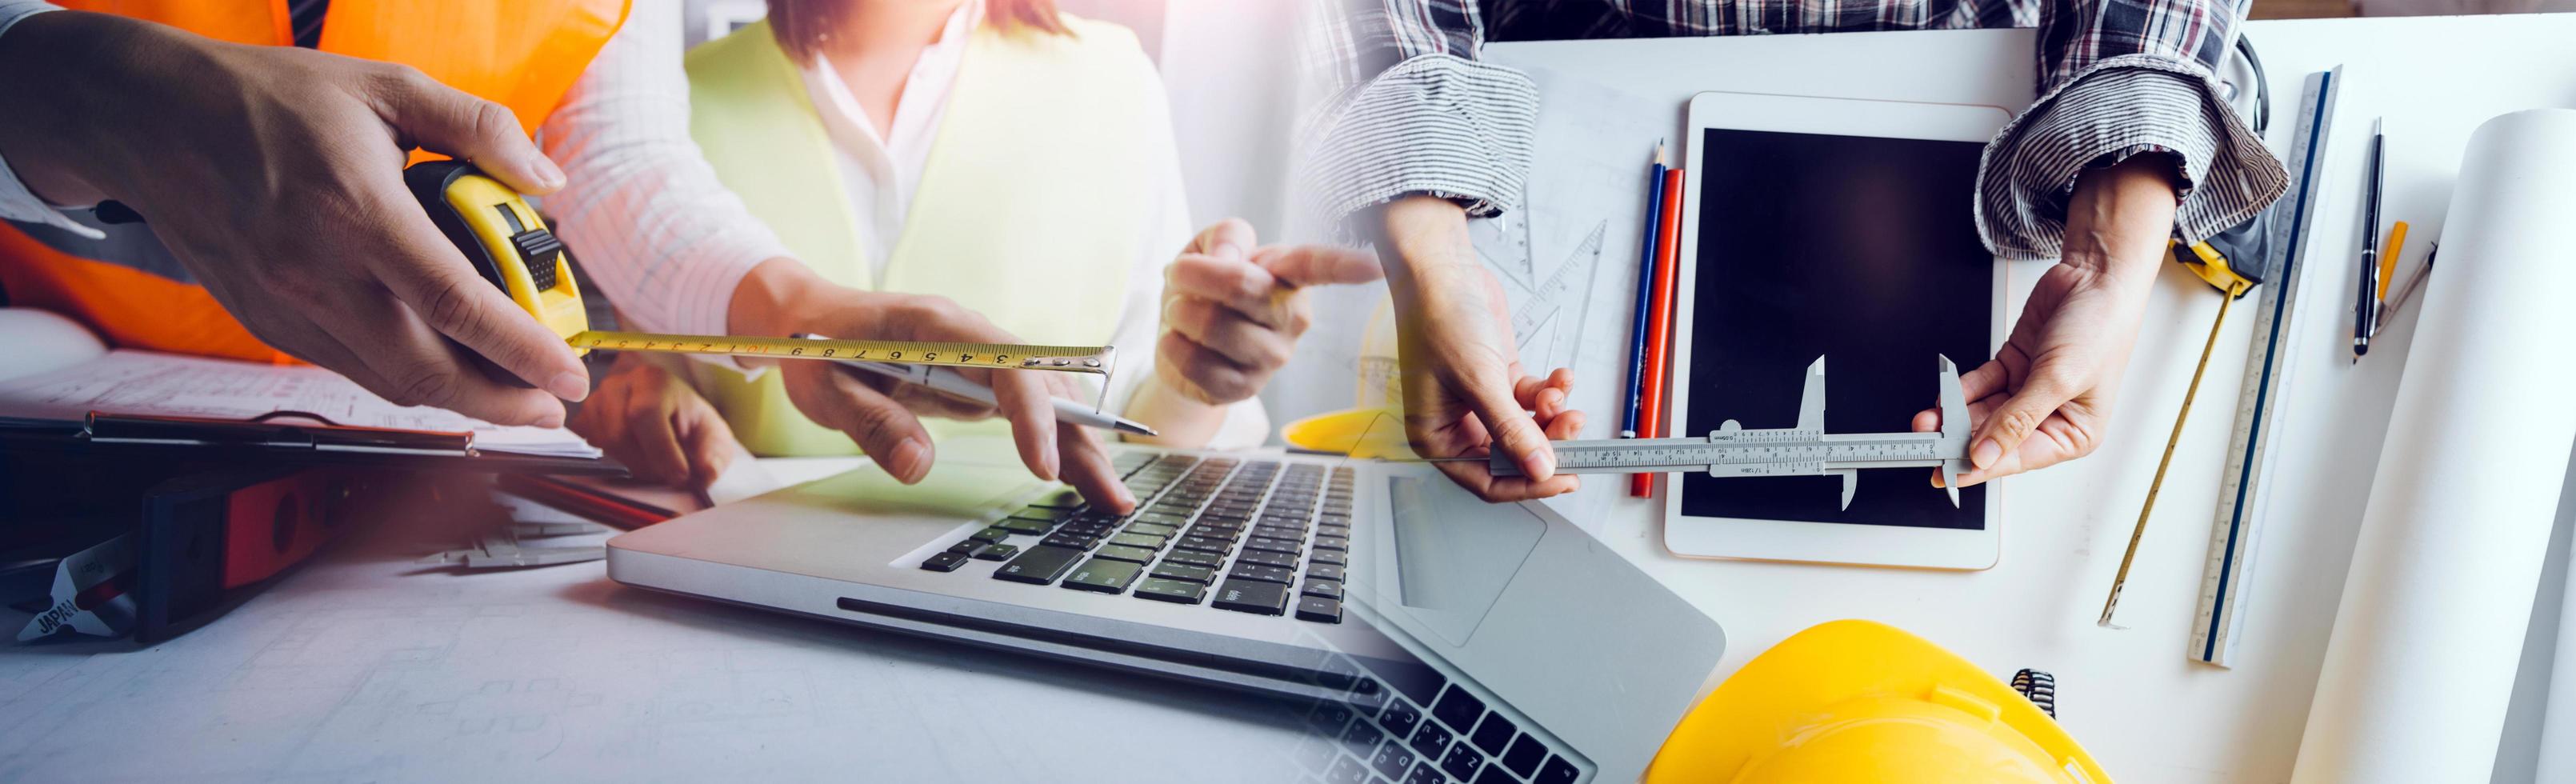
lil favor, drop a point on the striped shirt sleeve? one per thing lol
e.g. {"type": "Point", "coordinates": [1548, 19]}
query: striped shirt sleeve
{"type": "Point", "coordinates": [2123, 106]}
{"type": "Point", "coordinates": [656, 231]}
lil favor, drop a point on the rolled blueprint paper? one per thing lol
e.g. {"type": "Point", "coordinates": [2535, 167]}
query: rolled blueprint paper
{"type": "Point", "coordinates": [2429, 634]}
{"type": "Point", "coordinates": [2557, 760]}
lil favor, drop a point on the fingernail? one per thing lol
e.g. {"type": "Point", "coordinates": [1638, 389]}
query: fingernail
{"type": "Point", "coordinates": [1542, 465]}
{"type": "Point", "coordinates": [1988, 451]}
{"type": "Point", "coordinates": [548, 174]}
{"type": "Point", "coordinates": [1229, 251]}
{"type": "Point", "coordinates": [911, 459]}
{"type": "Point", "coordinates": [1053, 463]}
{"type": "Point", "coordinates": [569, 385]}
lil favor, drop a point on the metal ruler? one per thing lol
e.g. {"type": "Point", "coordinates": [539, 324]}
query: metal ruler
{"type": "Point", "coordinates": [1017, 356]}
{"type": "Point", "coordinates": [1804, 450]}
{"type": "Point", "coordinates": [2243, 498]}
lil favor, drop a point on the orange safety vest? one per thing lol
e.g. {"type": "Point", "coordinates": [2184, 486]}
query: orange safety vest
{"type": "Point", "coordinates": [519, 53]}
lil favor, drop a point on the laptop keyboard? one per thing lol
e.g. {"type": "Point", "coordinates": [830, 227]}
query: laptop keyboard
{"type": "Point", "coordinates": [1248, 535]}
{"type": "Point", "coordinates": [1380, 735]}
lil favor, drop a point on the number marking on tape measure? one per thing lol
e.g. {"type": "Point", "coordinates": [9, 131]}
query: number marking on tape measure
{"type": "Point", "coordinates": [1006, 356]}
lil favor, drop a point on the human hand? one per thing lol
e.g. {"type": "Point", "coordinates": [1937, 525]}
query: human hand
{"type": "Point", "coordinates": [274, 175]}
{"type": "Point", "coordinates": [646, 417]}
{"type": "Point", "coordinates": [1465, 393]}
{"type": "Point", "coordinates": [782, 297]}
{"type": "Point", "coordinates": [2046, 396]}
{"type": "Point", "coordinates": [1232, 311]}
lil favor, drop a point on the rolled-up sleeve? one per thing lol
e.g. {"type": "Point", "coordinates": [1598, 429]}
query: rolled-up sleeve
{"type": "Point", "coordinates": [1407, 109]}
{"type": "Point", "coordinates": [654, 228]}
{"type": "Point", "coordinates": [2120, 78]}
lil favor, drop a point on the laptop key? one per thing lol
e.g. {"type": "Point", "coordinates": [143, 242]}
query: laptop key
{"type": "Point", "coordinates": [1205, 545]}
{"type": "Point", "coordinates": [1494, 775]}
{"type": "Point", "coordinates": [1424, 773]}
{"type": "Point", "coordinates": [1458, 709]}
{"type": "Point", "coordinates": [1360, 738]}
{"type": "Point", "coordinates": [996, 552]}
{"type": "Point", "coordinates": [1069, 541]}
{"type": "Point", "coordinates": [1429, 740]}
{"type": "Point", "coordinates": [1399, 717]}
{"type": "Point", "coordinates": [968, 548]}
{"type": "Point", "coordinates": [1161, 589]}
{"type": "Point", "coordinates": [1021, 526]}
{"type": "Point", "coordinates": [944, 562]}
{"type": "Point", "coordinates": [1169, 570]}
{"type": "Point", "coordinates": [1348, 770]}
{"type": "Point", "coordinates": [1260, 573]}
{"type": "Point", "coordinates": [1042, 513]}
{"type": "Point", "coordinates": [1495, 734]}
{"type": "Point", "coordinates": [1334, 557]}
{"type": "Point", "coordinates": [1391, 760]}
{"type": "Point", "coordinates": [1342, 531]}
{"type": "Point", "coordinates": [1319, 609]}
{"type": "Point", "coordinates": [1332, 543]}
{"type": "Point", "coordinates": [1556, 771]}
{"type": "Point", "coordinates": [1102, 575]}
{"type": "Point", "coordinates": [1120, 552]}
{"type": "Point", "coordinates": [1524, 756]}
{"type": "Point", "coordinates": [1461, 763]}
{"type": "Point", "coordinates": [1039, 566]}
{"type": "Point", "coordinates": [1152, 529]}
{"type": "Point", "coordinates": [1280, 532]}
{"type": "Point", "coordinates": [1138, 540]}
{"type": "Point", "coordinates": [1258, 598]}
{"type": "Point", "coordinates": [1182, 555]}
{"type": "Point", "coordinates": [992, 534]}
{"type": "Point", "coordinates": [1324, 571]}
{"type": "Point", "coordinates": [1267, 558]}
{"type": "Point", "coordinates": [1273, 545]}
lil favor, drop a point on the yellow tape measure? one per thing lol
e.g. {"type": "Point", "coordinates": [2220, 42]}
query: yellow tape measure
{"type": "Point", "coordinates": [506, 241]}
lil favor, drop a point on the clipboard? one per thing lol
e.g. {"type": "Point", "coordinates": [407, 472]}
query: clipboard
{"type": "Point", "coordinates": [285, 438]}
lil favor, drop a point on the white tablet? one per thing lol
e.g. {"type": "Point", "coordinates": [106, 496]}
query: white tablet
{"type": "Point", "coordinates": [1844, 229]}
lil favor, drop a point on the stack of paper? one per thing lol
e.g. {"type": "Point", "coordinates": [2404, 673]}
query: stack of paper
{"type": "Point", "coordinates": [149, 383]}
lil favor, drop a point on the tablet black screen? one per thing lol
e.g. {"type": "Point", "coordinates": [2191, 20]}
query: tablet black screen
{"type": "Point", "coordinates": [1861, 250]}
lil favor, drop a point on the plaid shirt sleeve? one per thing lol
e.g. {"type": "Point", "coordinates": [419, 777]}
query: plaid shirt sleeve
{"type": "Point", "coordinates": [1411, 110]}
{"type": "Point", "coordinates": [2120, 78]}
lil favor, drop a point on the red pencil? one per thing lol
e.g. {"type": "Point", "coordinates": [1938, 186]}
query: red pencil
{"type": "Point", "coordinates": [1650, 415]}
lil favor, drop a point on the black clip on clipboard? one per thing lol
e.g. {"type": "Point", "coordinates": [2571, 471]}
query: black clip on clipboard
{"type": "Point", "coordinates": [286, 438]}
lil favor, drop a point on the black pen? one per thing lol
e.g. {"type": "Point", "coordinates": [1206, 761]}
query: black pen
{"type": "Point", "coordinates": [2365, 308]}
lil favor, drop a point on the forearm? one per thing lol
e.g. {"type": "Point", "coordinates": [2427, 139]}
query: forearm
{"type": "Point", "coordinates": [1420, 240]}
{"type": "Point", "coordinates": [2119, 222]}
{"type": "Point", "coordinates": [1179, 420]}
{"type": "Point", "coordinates": [60, 95]}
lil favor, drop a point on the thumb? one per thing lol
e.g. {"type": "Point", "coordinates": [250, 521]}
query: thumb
{"type": "Point", "coordinates": [2014, 421]}
{"type": "Point", "coordinates": [1310, 265]}
{"type": "Point", "coordinates": [1230, 239]}
{"type": "Point", "coordinates": [444, 120]}
{"type": "Point", "coordinates": [1514, 432]}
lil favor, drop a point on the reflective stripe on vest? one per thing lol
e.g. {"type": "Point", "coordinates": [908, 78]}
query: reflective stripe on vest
{"type": "Point", "coordinates": [523, 54]}
{"type": "Point", "coordinates": [1028, 211]}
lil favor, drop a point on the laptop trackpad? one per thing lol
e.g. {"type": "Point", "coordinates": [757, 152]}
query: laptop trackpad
{"type": "Point", "coordinates": [1455, 553]}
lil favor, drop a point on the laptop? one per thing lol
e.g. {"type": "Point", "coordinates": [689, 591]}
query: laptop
{"type": "Point", "coordinates": [1426, 635]}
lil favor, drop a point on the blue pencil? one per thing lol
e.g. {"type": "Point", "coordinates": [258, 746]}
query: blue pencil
{"type": "Point", "coordinates": [1645, 295]}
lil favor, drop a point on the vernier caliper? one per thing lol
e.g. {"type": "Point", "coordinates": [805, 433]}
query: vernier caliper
{"type": "Point", "coordinates": [1804, 450]}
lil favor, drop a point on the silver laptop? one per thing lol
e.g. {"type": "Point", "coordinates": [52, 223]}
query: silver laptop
{"type": "Point", "coordinates": [1430, 636]}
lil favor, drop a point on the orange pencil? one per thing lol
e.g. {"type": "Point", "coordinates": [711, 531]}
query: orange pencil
{"type": "Point", "coordinates": [1650, 416]}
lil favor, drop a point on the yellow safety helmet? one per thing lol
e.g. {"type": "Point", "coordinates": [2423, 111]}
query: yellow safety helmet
{"type": "Point", "coordinates": [1858, 701]}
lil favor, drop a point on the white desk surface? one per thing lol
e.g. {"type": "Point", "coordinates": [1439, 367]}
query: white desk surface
{"type": "Point", "coordinates": [365, 666]}
{"type": "Point", "coordinates": [2131, 696]}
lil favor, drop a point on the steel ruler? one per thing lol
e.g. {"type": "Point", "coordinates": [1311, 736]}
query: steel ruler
{"type": "Point", "coordinates": [2243, 496]}
{"type": "Point", "coordinates": [1804, 450]}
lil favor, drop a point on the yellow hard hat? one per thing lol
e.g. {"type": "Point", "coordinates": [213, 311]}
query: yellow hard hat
{"type": "Point", "coordinates": [1858, 701]}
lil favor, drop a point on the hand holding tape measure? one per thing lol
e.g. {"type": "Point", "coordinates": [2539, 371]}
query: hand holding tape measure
{"type": "Point", "coordinates": [509, 245]}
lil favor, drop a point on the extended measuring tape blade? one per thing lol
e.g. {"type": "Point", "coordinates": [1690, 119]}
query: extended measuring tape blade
{"type": "Point", "coordinates": [2242, 496]}
{"type": "Point", "coordinates": [997, 356]}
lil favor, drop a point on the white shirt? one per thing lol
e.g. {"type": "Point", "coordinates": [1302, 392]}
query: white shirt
{"type": "Point", "coordinates": [882, 169]}
{"type": "Point", "coordinates": [660, 235]}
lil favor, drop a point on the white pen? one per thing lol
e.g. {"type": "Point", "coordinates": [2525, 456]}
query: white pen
{"type": "Point", "coordinates": [949, 382]}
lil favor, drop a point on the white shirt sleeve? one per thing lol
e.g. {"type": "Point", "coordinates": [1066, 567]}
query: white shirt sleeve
{"type": "Point", "coordinates": [641, 208]}
{"type": "Point", "coordinates": [1167, 228]}
{"type": "Point", "coordinates": [17, 203]}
